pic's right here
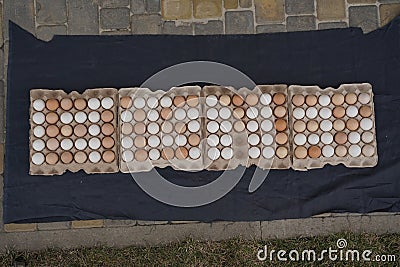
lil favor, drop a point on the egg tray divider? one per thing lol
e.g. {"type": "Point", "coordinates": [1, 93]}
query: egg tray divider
{"type": "Point", "coordinates": [240, 145]}
{"type": "Point", "coordinates": [349, 161]}
{"type": "Point", "coordinates": [88, 167]}
{"type": "Point", "coordinates": [165, 159]}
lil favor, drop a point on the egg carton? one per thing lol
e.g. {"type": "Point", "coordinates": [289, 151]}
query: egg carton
{"type": "Point", "coordinates": [160, 129]}
{"type": "Point", "coordinates": [246, 127]}
{"type": "Point", "coordinates": [333, 126]}
{"type": "Point", "coordinates": [73, 131]}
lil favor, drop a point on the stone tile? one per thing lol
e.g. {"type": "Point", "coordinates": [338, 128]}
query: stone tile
{"type": "Point", "coordinates": [139, 222]}
{"type": "Point", "coordinates": [138, 6]}
{"type": "Point", "coordinates": [117, 32]}
{"type": "Point", "coordinates": [331, 9]}
{"type": "Point", "coordinates": [388, 12]}
{"type": "Point", "coordinates": [1, 149]}
{"type": "Point", "coordinates": [245, 3]}
{"type": "Point", "coordinates": [114, 18]}
{"type": "Point", "coordinates": [83, 17]}
{"type": "Point", "coordinates": [270, 28]}
{"type": "Point", "coordinates": [331, 25]}
{"type": "Point", "coordinates": [114, 3]}
{"type": "Point", "coordinates": [146, 24]}
{"type": "Point", "coordinates": [21, 13]}
{"type": "Point", "coordinates": [46, 33]}
{"type": "Point", "coordinates": [203, 9]}
{"type": "Point", "coordinates": [153, 6]}
{"type": "Point", "coordinates": [239, 22]}
{"type": "Point", "coordinates": [169, 27]}
{"type": "Point", "coordinates": [297, 7]}
{"type": "Point", "coordinates": [51, 11]}
{"type": "Point", "coordinates": [119, 223]}
{"type": "Point", "coordinates": [87, 224]}
{"type": "Point", "coordinates": [54, 226]}
{"type": "Point", "coordinates": [365, 17]}
{"type": "Point", "coordinates": [300, 23]}
{"type": "Point", "coordinates": [360, 1]}
{"type": "Point", "coordinates": [176, 9]}
{"type": "Point", "coordinates": [269, 11]}
{"type": "Point", "coordinates": [231, 4]}
{"type": "Point", "coordinates": [211, 27]}
{"type": "Point", "coordinates": [20, 227]}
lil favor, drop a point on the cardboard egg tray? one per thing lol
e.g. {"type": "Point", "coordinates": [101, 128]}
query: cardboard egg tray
{"type": "Point", "coordinates": [160, 129]}
{"type": "Point", "coordinates": [333, 126]}
{"type": "Point", "coordinates": [191, 128]}
{"type": "Point", "coordinates": [73, 131]}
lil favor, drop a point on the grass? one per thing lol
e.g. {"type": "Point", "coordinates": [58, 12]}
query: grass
{"type": "Point", "coordinates": [234, 252]}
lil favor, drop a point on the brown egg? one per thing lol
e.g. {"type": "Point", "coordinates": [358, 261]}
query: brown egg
{"type": "Point", "coordinates": [300, 152]}
{"type": "Point", "coordinates": [107, 129]}
{"type": "Point", "coordinates": [194, 139]}
{"type": "Point", "coordinates": [80, 103]}
{"type": "Point", "coordinates": [350, 98]}
{"type": "Point", "coordinates": [365, 111]}
{"type": "Point", "coordinates": [237, 100]}
{"type": "Point", "coordinates": [52, 104]}
{"type": "Point", "coordinates": [299, 126]}
{"type": "Point", "coordinates": [312, 125]}
{"type": "Point", "coordinates": [281, 152]}
{"type": "Point", "coordinates": [166, 113]}
{"type": "Point", "coordinates": [108, 156]}
{"type": "Point", "coordinates": [280, 125]}
{"type": "Point", "coordinates": [126, 102]}
{"type": "Point", "coordinates": [52, 158]}
{"type": "Point", "coordinates": [80, 130]}
{"type": "Point", "coordinates": [127, 128]}
{"type": "Point", "coordinates": [139, 128]}
{"type": "Point", "coordinates": [341, 151]}
{"type": "Point", "coordinates": [337, 99]}
{"type": "Point", "coordinates": [107, 116]}
{"type": "Point", "coordinates": [298, 100]}
{"type": "Point", "coordinates": [181, 153]}
{"type": "Point", "coordinates": [107, 142]}
{"type": "Point", "coordinates": [192, 100]}
{"type": "Point", "coordinates": [67, 157]}
{"type": "Point", "coordinates": [281, 138]}
{"type": "Point", "coordinates": [51, 117]}
{"type": "Point", "coordinates": [239, 126]}
{"type": "Point", "coordinates": [314, 152]}
{"type": "Point", "coordinates": [52, 131]}
{"type": "Point", "coordinates": [368, 150]}
{"type": "Point", "coordinates": [238, 113]}
{"type": "Point", "coordinates": [224, 100]}
{"type": "Point", "coordinates": [179, 101]}
{"type": "Point", "coordinates": [66, 104]}
{"type": "Point", "coordinates": [66, 130]}
{"type": "Point", "coordinates": [339, 125]}
{"type": "Point", "coordinates": [140, 141]}
{"type": "Point", "coordinates": [279, 98]}
{"type": "Point", "coordinates": [141, 155]}
{"type": "Point", "coordinates": [340, 138]}
{"type": "Point", "coordinates": [339, 112]}
{"type": "Point", "coordinates": [352, 124]}
{"type": "Point", "coordinates": [80, 157]}
{"type": "Point", "coordinates": [180, 127]}
{"type": "Point", "coordinates": [52, 144]}
{"type": "Point", "coordinates": [311, 100]}
{"type": "Point", "coordinates": [251, 99]}
{"type": "Point", "coordinates": [139, 115]}
{"type": "Point", "coordinates": [280, 111]}
{"type": "Point", "coordinates": [167, 153]}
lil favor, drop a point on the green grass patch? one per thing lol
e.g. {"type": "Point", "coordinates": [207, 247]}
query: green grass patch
{"type": "Point", "coordinates": [233, 252]}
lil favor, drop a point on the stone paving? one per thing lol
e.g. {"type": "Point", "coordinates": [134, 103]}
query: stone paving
{"type": "Point", "coordinates": [44, 18]}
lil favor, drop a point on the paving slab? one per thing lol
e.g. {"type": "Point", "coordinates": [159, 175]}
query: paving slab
{"type": "Point", "coordinates": [331, 25]}
{"type": "Point", "coordinates": [146, 24]}
{"type": "Point", "coordinates": [297, 7]}
{"type": "Point", "coordinates": [268, 11]}
{"type": "Point", "coordinates": [270, 28]}
{"type": "Point", "coordinates": [46, 33]}
{"type": "Point", "coordinates": [211, 27]}
{"type": "Point", "coordinates": [239, 22]}
{"type": "Point", "coordinates": [300, 23]}
{"type": "Point", "coordinates": [365, 17]}
{"type": "Point", "coordinates": [115, 18]}
{"type": "Point", "coordinates": [51, 12]}
{"type": "Point", "coordinates": [83, 17]}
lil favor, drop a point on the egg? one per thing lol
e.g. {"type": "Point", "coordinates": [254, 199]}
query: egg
{"type": "Point", "coordinates": [300, 152]}
{"type": "Point", "coordinates": [268, 152]}
{"type": "Point", "coordinates": [314, 152]}
{"type": "Point", "coordinates": [254, 152]}
{"type": "Point", "coordinates": [227, 153]}
{"type": "Point", "coordinates": [194, 153]}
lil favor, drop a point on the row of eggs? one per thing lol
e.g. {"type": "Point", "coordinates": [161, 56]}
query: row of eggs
{"type": "Point", "coordinates": [336, 99]}
{"type": "Point", "coordinates": [329, 151]}
{"type": "Point", "coordinates": [339, 137]}
{"type": "Point", "coordinates": [67, 104]}
{"type": "Point", "coordinates": [67, 157]}
{"type": "Point", "coordinates": [166, 153]}
{"type": "Point", "coordinates": [337, 112]}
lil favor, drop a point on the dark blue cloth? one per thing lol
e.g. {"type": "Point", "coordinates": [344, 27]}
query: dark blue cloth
{"type": "Point", "coordinates": [325, 58]}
